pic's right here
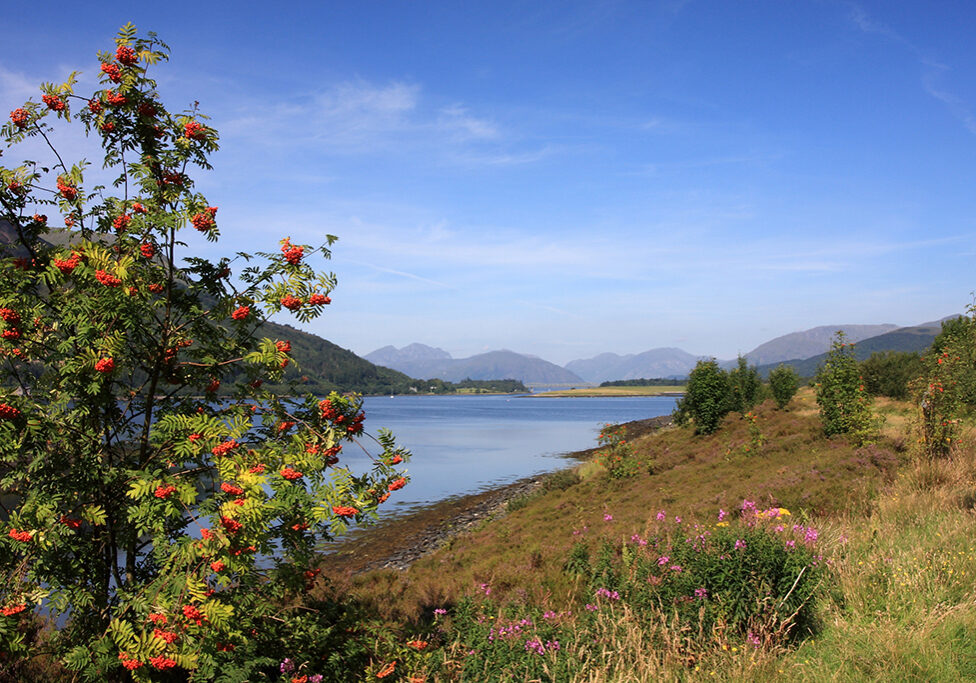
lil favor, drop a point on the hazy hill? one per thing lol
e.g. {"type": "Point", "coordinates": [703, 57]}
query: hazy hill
{"type": "Point", "coordinates": [484, 366]}
{"type": "Point", "coordinates": [917, 338]}
{"type": "Point", "coordinates": [810, 342]}
{"type": "Point", "coordinates": [330, 367]}
{"type": "Point", "coordinates": [662, 362]}
{"type": "Point", "coordinates": [389, 356]}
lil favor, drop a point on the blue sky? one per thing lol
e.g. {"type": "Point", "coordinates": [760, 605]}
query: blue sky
{"type": "Point", "coordinates": [567, 178]}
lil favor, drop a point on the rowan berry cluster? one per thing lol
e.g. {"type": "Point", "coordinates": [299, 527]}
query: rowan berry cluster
{"type": "Point", "coordinates": [231, 526]}
{"type": "Point", "coordinates": [121, 222]}
{"type": "Point", "coordinates": [116, 99]}
{"type": "Point", "coordinates": [290, 302]}
{"type": "Point", "coordinates": [113, 71]}
{"type": "Point", "coordinates": [193, 614]}
{"type": "Point", "coordinates": [105, 365]}
{"type": "Point", "coordinates": [344, 511]}
{"type": "Point", "coordinates": [70, 523]}
{"type": "Point", "coordinates": [129, 663]}
{"type": "Point", "coordinates": [12, 610]}
{"type": "Point", "coordinates": [292, 254]}
{"type": "Point", "coordinates": [204, 220]}
{"type": "Point", "coordinates": [195, 131]}
{"type": "Point", "coordinates": [147, 250]}
{"type": "Point", "coordinates": [241, 313]}
{"type": "Point", "coordinates": [20, 117]}
{"type": "Point", "coordinates": [164, 635]}
{"type": "Point", "coordinates": [231, 489]}
{"type": "Point", "coordinates": [224, 448]}
{"type": "Point", "coordinates": [319, 300]}
{"type": "Point", "coordinates": [22, 536]}
{"type": "Point", "coordinates": [107, 279]}
{"type": "Point", "coordinates": [67, 190]}
{"type": "Point", "coordinates": [397, 484]}
{"type": "Point", "coordinates": [161, 663]}
{"type": "Point", "coordinates": [66, 266]}
{"type": "Point", "coordinates": [53, 102]}
{"type": "Point", "coordinates": [164, 492]}
{"type": "Point", "coordinates": [126, 55]}
{"type": "Point", "coordinates": [290, 474]}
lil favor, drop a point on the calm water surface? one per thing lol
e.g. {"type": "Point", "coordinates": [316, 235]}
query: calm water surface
{"type": "Point", "coordinates": [465, 444]}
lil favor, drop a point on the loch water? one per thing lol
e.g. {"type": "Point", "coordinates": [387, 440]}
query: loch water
{"type": "Point", "coordinates": [466, 444]}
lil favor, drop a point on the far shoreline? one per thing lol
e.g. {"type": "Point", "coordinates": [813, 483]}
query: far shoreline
{"type": "Point", "coordinates": [612, 392]}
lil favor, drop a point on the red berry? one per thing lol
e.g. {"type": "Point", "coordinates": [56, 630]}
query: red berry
{"type": "Point", "coordinates": [319, 300]}
{"type": "Point", "coordinates": [53, 102]}
{"type": "Point", "coordinates": [113, 72]}
{"type": "Point", "coordinates": [126, 55]}
{"type": "Point", "coordinates": [195, 131]}
{"type": "Point", "coordinates": [19, 117]}
{"type": "Point", "coordinates": [291, 303]}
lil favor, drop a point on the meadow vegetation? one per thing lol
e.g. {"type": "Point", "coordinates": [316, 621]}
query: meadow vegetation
{"type": "Point", "coordinates": [676, 556]}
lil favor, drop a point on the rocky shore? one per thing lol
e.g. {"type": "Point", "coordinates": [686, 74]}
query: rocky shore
{"type": "Point", "coordinates": [399, 542]}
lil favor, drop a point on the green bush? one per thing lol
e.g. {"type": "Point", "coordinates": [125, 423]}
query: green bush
{"type": "Point", "coordinates": [617, 456]}
{"type": "Point", "coordinates": [707, 398]}
{"type": "Point", "coordinates": [843, 401]}
{"type": "Point", "coordinates": [783, 384]}
{"type": "Point", "coordinates": [560, 480]}
{"type": "Point", "coordinates": [944, 390]}
{"type": "Point", "coordinates": [958, 336]}
{"type": "Point", "coordinates": [746, 386]}
{"type": "Point", "coordinates": [889, 373]}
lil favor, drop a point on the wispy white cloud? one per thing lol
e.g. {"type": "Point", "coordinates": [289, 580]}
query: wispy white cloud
{"type": "Point", "coordinates": [955, 104]}
{"type": "Point", "coordinates": [401, 273]}
{"type": "Point", "coordinates": [16, 87]}
{"type": "Point", "coordinates": [934, 69]}
{"type": "Point", "coordinates": [363, 118]}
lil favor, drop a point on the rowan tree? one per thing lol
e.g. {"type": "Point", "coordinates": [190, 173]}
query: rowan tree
{"type": "Point", "coordinates": [162, 529]}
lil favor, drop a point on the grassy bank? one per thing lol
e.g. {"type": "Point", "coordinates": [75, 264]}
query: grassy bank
{"type": "Point", "coordinates": [557, 588]}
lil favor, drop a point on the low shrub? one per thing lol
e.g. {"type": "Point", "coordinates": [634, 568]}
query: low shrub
{"type": "Point", "coordinates": [783, 384]}
{"type": "Point", "coordinates": [616, 455]}
{"type": "Point", "coordinates": [560, 480]}
{"type": "Point", "coordinates": [753, 578]}
{"type": "Point", "coordinates": [844, 403]}
{"type": "Point", "coordinates": [687, 588]}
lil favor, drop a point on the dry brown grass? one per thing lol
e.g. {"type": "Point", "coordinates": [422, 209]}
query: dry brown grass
{"type": "Point", "coordinates": [521, 555]}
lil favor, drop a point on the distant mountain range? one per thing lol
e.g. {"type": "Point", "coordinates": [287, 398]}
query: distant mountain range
{"type": "Point", "coordinates": [426, 362]}
{"type": "Point", "coordinates": [803, 350]}
{"type": "Point", "coordinates": [810, 342]}
{"type": "Point", "coordinates": [917, 338]}
{"type": "Point", "coordinates": [663, 362]}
